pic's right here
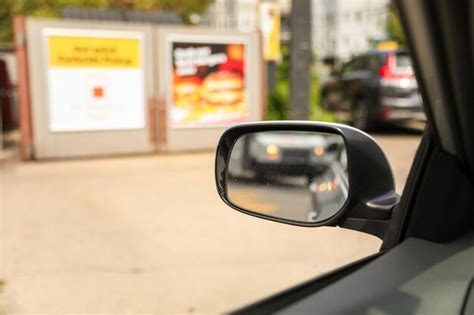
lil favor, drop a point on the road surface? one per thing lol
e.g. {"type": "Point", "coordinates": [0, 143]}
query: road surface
{"type": "Point", "coordinates": [148, 234]}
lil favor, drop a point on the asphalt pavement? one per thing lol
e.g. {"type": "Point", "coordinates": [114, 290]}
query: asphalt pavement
{"type": "Point", "coordinates": [148, 234]}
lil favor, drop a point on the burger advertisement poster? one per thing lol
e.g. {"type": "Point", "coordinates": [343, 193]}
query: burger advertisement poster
{"type": "Point", "coordinates": [208, 84]}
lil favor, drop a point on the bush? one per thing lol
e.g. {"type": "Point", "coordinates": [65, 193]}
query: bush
{"type": "Point", "coordinates": [278, 99]}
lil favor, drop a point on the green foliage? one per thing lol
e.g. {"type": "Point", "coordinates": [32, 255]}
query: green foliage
{"type": "Point", "coordinates": [6, 31]}
{"type": "Point", "coordinates": [317, 113]}
{"type": "Point", "coordinates": [37, 8]}
{"type": "Point", "coordinates": [182, 7]}
{"type": "Point", "coordinates": [394, 28]}
{"type": "Point", "coordinates": [52, 9]}
{"type": "Point", "coordinates": [278, 101]}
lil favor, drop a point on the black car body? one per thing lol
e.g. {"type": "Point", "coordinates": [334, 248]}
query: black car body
{"type": "Point", "coordinates": [378, 86]}
{"type": "Point", "coordinates": [297, 155]}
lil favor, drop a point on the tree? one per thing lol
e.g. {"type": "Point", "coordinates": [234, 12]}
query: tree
{"type": "Point", "coordinates": [38, 8]}
{"type": "Point", "coordinates": [395, 30]}
{"type": "Point", "coordinates": [52, 9]}
{"type": "Point", "coordinates": [183, 7]}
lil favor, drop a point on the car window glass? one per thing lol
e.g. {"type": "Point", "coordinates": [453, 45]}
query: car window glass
{"type": "Point", "coordinates": [403, 63]}
{"type": "Point", "coordinates": [402, 60]}
{"type": "Point", "coordinates": [373, 63]}
{"type": "Point", "coordinates": [362, 63]}
{"type": "Point", "coordinates": [349, 66]}
{"type": "Point", "coordinates": [127, 113]}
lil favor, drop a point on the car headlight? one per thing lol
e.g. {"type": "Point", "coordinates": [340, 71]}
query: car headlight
{"type": "Point", "coordinates": [272, 151]}
{"type": "Point", "coordinates": [318, 151]}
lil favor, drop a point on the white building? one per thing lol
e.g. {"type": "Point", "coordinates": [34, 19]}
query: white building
{"type": "Point", "coordinates": [238, 14]}
{"type": "Point", "coordinates": [342, 28]}
{"type": "Point", "coordinates": [232, 14]}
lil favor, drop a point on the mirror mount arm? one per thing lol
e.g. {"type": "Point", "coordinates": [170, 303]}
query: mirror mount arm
{"type": "Point", "coordinates": [379, 208]}
{"type": "Point", "coordinates": [374, 216]}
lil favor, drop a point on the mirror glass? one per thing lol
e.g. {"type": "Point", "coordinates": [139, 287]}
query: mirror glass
{"type": "Point", "coordinates": [293, 175]}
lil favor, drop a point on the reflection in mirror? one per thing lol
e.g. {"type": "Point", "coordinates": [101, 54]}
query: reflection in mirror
{"type": "Point", "coordinates": [293, 175]}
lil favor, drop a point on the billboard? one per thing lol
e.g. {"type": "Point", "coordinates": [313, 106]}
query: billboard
{"type": "Point", "coordinates": [208, 81]}
{"type": "Point", "coordinates": [95, 79]}
{"type": "Point", "coordinates": [270, 27]}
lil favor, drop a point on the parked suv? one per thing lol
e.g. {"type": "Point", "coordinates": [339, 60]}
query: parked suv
{"type": "Point", "coordinates": [376, 87]}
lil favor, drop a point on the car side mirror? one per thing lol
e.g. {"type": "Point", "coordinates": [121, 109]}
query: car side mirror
{"type": "Point", "coordinates": [306, 174]}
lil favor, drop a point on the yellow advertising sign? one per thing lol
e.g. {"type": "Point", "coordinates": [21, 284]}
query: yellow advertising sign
{"type": "Point", "coordinates": [387, 45]}
{"type": "Point", "coordinates": [93, 52]}
{"type": "Point", "coordinates": [270, 27]}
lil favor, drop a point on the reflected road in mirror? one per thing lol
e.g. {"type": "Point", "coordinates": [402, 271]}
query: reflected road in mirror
{"type": "Point", "coordinates": [293, 175]}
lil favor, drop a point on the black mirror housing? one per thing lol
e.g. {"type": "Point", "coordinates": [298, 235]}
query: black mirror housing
{"type": "Point", "coordinates": [371, 195]}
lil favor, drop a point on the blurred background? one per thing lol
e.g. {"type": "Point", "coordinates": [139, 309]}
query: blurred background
{"type": "Point", "coordinates": [111, 111]}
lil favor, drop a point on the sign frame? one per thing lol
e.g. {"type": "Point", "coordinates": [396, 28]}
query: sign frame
{"type": "Point", "coordinates": [203, 137]}
{"type": "Point", "coordinates": [77, 143]}
{"type": "Point", "coordinates": [86, 34]}
{"type": "Point", "coordinates": [200, 39]}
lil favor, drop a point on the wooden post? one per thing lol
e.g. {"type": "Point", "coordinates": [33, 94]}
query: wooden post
{"type": "Point", "coordinates": [163, 124]}
{"type": "Point", "coordinates": [26, 130]}
{"type": "Point", "coordinates": [152, 121]}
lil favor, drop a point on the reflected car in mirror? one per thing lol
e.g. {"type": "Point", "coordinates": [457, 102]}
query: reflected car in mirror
{"type": "Point", "coordinates": [295, 175]}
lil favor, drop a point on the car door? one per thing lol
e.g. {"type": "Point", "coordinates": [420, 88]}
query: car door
{"type": "Point", "coordinates": [354, 80]}
{"type": "Point", "coordinates": [426, 262]}
{"type": "Point", "coordinates": [346, 76]}
{"type": "Point", "coordinates": [333, 91]}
